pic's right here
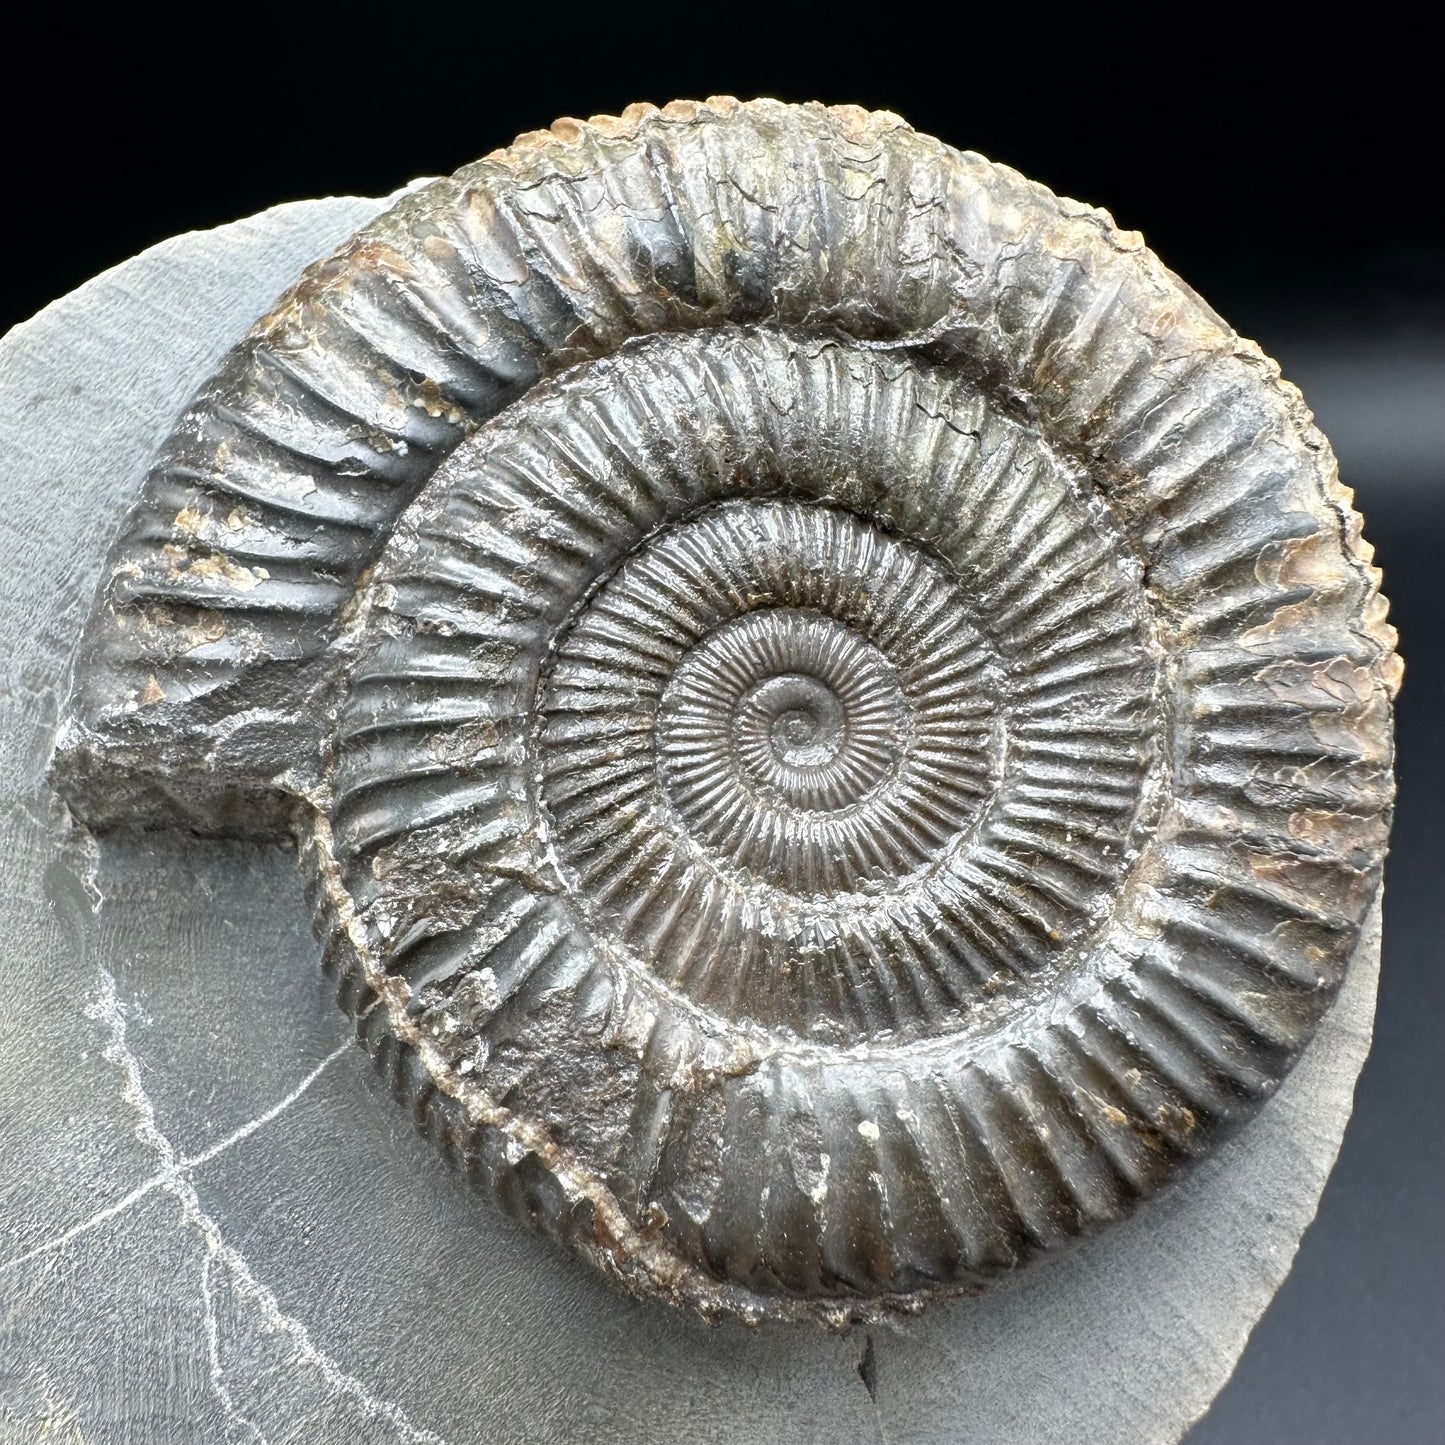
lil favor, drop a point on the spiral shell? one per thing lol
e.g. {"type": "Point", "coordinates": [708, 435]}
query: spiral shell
{"type": "Point", "coordinates": [838, 719]}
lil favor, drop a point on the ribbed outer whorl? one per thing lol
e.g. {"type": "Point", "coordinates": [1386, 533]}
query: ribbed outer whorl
{"type": "Point", "coordinates": [841, 717]}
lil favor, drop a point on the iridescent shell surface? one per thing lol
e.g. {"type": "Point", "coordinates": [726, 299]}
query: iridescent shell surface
{"type": "Point", "coordinates": [838, 718]}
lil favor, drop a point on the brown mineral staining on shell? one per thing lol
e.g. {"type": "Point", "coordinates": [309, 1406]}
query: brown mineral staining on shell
{"type": "Point", "coordinates": [838, 717]}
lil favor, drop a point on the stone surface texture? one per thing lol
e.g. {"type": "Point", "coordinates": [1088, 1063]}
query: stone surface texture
{"type": "Point", "coordinates": [838, 720]}
{"type": "Point", "coordinates": [215, 1228]}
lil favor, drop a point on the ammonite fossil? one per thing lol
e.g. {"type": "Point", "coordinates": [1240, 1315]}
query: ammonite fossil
{"type": "Point", "coordinates": [838, 718]}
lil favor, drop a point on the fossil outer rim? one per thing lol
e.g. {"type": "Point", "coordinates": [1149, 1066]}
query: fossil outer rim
{"type": "Point", "coordinates": [214, 667]}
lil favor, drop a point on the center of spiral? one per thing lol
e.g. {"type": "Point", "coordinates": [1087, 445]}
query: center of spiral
{"type": "Point", "coordinates": [765, 739]}
{"type": "Point", "coordinates": [778, 716]}
{"type": "Point", "coordinates": [803, 717]}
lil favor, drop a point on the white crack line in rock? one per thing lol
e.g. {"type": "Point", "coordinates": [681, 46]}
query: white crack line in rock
{"type": "Point", "coordinates": [94, 1221]}
{"type": "Point", "coordinates": [213, 1357]}
{"type": "Point", "coordinates": [174, 1176]}
{"type": "Point", "coordinates": [182, 1165]}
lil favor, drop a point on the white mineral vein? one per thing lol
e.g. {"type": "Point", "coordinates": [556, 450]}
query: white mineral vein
{"type": "Point", "coordinates": [175, 1177]}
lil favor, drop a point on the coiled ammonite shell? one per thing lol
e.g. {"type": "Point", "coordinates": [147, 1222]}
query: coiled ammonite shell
{"type": "Point", "coordinates": [838, 718]}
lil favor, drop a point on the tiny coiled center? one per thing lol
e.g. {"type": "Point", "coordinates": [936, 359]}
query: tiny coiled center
{"type": "Point", "coordinates": [803, 717]}
{"type": "Point", "coordinates": [779, 715]}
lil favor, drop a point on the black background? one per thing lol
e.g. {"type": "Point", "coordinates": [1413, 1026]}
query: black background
{"type": "Point", "coordinates": [1279, 164]}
